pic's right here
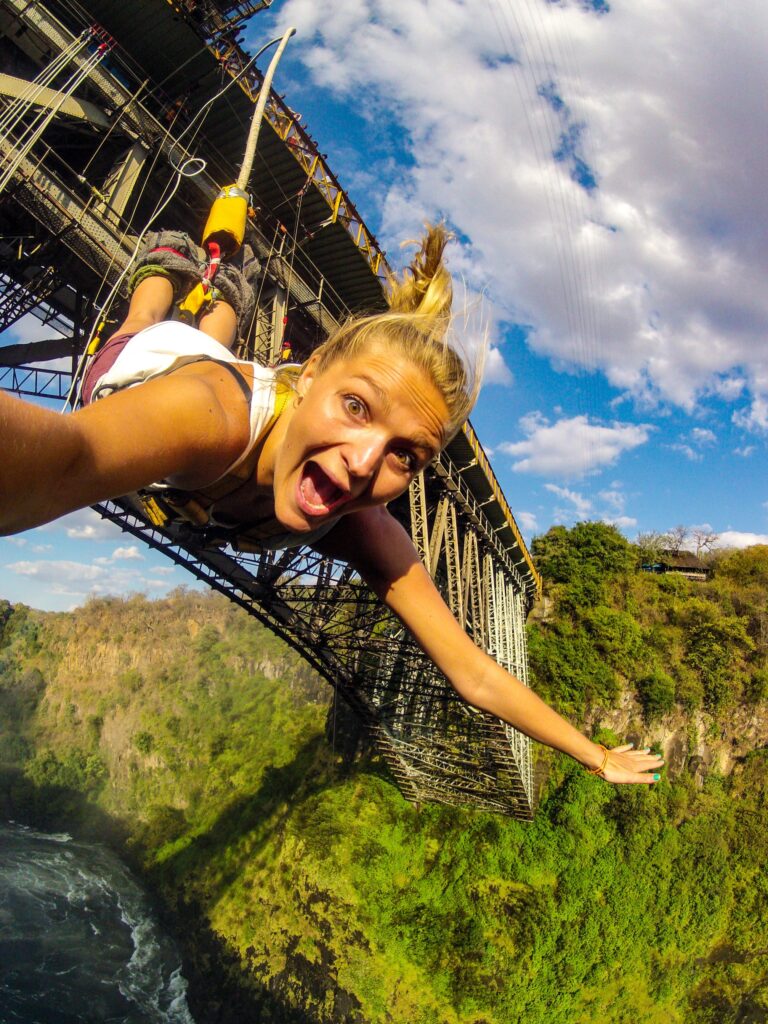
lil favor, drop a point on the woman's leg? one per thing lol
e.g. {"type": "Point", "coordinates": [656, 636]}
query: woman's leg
{"type": "Point", "coordinates": [231, 313]}
{"type": "Point", "coordinates": [171, 263]}
{"type": "Point", "coordinates": [219, 322]}
{"type": "Point", "coordinates": [150, 304]}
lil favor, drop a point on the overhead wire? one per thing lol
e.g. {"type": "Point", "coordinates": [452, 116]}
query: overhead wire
{"type": "Point", "coordinates": [545, 145]}
{"type": "Point", "coordinates": [595, 267]}
{"type": "Point", "coordinates": [574, 203]}
{"type": "Point", "coordinates": [577, 221]}
{"type": "Point", "coordinates": [33, 132]}
{"type": "Point", "coordinates": [567, 208]}
{"type": "Point", "coordinates": [115, 122]}
{"type": "Point", "coordinates": [183, 164]}
{"type": "Point", "coordinates": [541, 145]}
{"type": "Point", "coordinates": [16, 108]}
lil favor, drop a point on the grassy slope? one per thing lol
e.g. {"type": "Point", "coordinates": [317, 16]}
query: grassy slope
{"type": "Point", "coordinates": [198, 739]}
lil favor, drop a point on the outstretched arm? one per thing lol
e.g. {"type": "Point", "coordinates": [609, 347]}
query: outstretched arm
{"type": "Point", "coordinates": [191, 425]}
{"type": "Point", "coordinates": [380, 549]}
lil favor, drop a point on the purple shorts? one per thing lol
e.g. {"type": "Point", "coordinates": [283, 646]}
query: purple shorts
{"type": "Point", "coordinates": [103, 361]}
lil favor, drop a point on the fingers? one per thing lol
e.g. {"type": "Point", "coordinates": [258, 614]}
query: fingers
{"type": "Point", "coordinates": [627, 766]}
{"type": "Point", "coordinates": [646, 778]}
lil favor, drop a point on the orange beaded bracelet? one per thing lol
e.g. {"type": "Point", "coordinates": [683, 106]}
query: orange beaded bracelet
{"type": "Point", "coordinates": [601, 769]}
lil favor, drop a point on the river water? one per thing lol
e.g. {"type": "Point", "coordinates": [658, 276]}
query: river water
{"type": "Point", "coordinates": [78, 940]}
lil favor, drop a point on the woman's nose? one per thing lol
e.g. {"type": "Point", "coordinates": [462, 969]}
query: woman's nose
{"type": "Point", "coordinates": [364, 456]}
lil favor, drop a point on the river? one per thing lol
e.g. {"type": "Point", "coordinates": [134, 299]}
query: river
{"type": "Point", "coordinates": [78, 939]}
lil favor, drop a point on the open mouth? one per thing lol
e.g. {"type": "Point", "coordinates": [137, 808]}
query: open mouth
{"type": "Point", "coordinates": [318, 493]}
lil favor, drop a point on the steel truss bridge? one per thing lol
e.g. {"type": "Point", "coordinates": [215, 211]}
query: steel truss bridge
{"type": "Point", "coordinates": [100, 104]}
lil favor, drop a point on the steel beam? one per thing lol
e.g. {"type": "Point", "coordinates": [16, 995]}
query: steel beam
{"type": "Point", "coordinates": [37, 351]}
{"type": "Point", "coordinates": [51, 99]}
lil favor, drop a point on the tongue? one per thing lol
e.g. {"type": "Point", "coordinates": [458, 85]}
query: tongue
{"type": "Point", "coordinates": [317, 488]}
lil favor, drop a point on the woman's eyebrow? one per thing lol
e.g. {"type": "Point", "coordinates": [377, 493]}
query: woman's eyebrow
{"type": "Point", "coordinates": [380, 393]}
{"type": "Point", "coordinates": [421, 441]}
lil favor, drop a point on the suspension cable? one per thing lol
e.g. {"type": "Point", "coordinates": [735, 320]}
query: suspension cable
{"type": "Point", "coordinates": [32, 134]}
{"type": "Point", "coordinates": [18, 106]}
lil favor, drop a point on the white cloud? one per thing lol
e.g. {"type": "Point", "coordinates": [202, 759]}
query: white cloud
{"type": "Point", "coordinates": [527, 521]}
{"type": "Point", "coordinates": [623, 522]}
{"type": "Point", "coordinates": [582, 505]}
{"type": "Point", "coordinates": [131, 553]}
{"type": "Point", "coordinates": [729, 387]}
{"type": "Point", "coordinates": [701, 528]}
{"type": "Point", "coordinates": [655, 276]}
{"type": "Point", "coordinates": [573, 447]}
{"type": "Point", "coordinates": [496, 370]}
{"type": "Point", "coordinates": [686, 450]}
{"type": "Point", "coordinates": [27, 330]}
{"type": "Point", "coordinates": [476, 330]}
{"type": "Point", "coordinates": [51, 571]}
{"type": "Point", "coordinates": [85, 524]}
{"type": "Point", "coordinates": [738, 539]}
{"type": "Point", "coordinates": [83, 579]}
{"type": "Point", "coordinates": [703, 437]}
{"type": "Point", "coordinates": [744, 452]}
{"type": "Point", "coordinates": [614, 499]}
{"type": "Point", "coordinates": [755, 417]}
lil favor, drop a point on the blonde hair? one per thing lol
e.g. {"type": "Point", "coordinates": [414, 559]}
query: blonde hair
{"type": "Point", "coordinates": [416, 325]}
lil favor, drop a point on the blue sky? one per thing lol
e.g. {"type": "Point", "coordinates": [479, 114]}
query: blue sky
{"type": "Point", "coordinates": [604, 168]}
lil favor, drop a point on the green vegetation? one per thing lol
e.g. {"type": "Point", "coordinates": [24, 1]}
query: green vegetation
{"type": "Point", "coordinates": [666, 640]}
{"type": "Point", "coordinates": [306, 890]}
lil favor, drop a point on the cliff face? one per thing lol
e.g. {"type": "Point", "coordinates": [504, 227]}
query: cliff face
{"type": "Point", "coordinates": [692, 742]}
{"type": "Point", "coordinates": [304, 888]}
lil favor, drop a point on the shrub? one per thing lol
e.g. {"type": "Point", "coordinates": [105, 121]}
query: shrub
{"type": "Point", "coordinates": [166, 824]}
{"type": "Point", "coordinates": [617, 637]}
{"type": "Point", "coordinates": [144, 742]}
{"type": "Point", "coordinates": [747, 566]}
{"type": "Point", "coordinates": [756, 689]}
{"type": "Point", "coordinates": [567, 667]}
{"type": "Point", "coordinates": [657, 693]}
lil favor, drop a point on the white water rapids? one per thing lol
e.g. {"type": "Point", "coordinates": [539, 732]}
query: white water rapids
{"type": "Point", "coordinates": [78, 940]}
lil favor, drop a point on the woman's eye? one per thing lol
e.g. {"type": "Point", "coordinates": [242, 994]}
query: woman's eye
{"type": "Point", "coordinates": [354, 406]}
{"type": "Point", "coordinates": [406, 459]}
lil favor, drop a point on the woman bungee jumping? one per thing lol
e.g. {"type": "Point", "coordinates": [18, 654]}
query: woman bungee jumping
{"type": "Point", "coordinates": [283, 457]}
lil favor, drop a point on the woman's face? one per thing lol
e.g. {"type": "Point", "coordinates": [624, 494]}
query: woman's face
{"type": "Point", "coordinates": [362, 429]}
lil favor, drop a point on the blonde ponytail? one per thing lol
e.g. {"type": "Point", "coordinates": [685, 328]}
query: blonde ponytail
{"type": "Point", "coordinates": [416, 327]}
{"type": "Point", "coordinates": [425, 287]}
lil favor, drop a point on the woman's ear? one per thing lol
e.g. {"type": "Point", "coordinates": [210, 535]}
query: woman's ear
{"type": "Point", "coordinates": [306, 377]}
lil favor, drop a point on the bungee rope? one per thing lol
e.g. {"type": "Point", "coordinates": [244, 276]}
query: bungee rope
{"type": "Point", "coordinates": [231, 208]}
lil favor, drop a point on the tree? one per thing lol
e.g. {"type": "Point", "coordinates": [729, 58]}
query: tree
{"type": "Point", "coordinates": [676, 538]}
{"type": "Point", "coordinates": [657, 693]}
{"type": "Point", "coordinates": [650, 546]}
{"type": "Point", "coordinates": [703, 538]}
{"type": "Point", "coordinates": [746, 566]}
{"type": "Point", "coordinates": [591, 549]}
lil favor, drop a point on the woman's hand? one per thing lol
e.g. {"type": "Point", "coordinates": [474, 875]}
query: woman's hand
{"type": "Point", "coordinates": [627, 765]}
